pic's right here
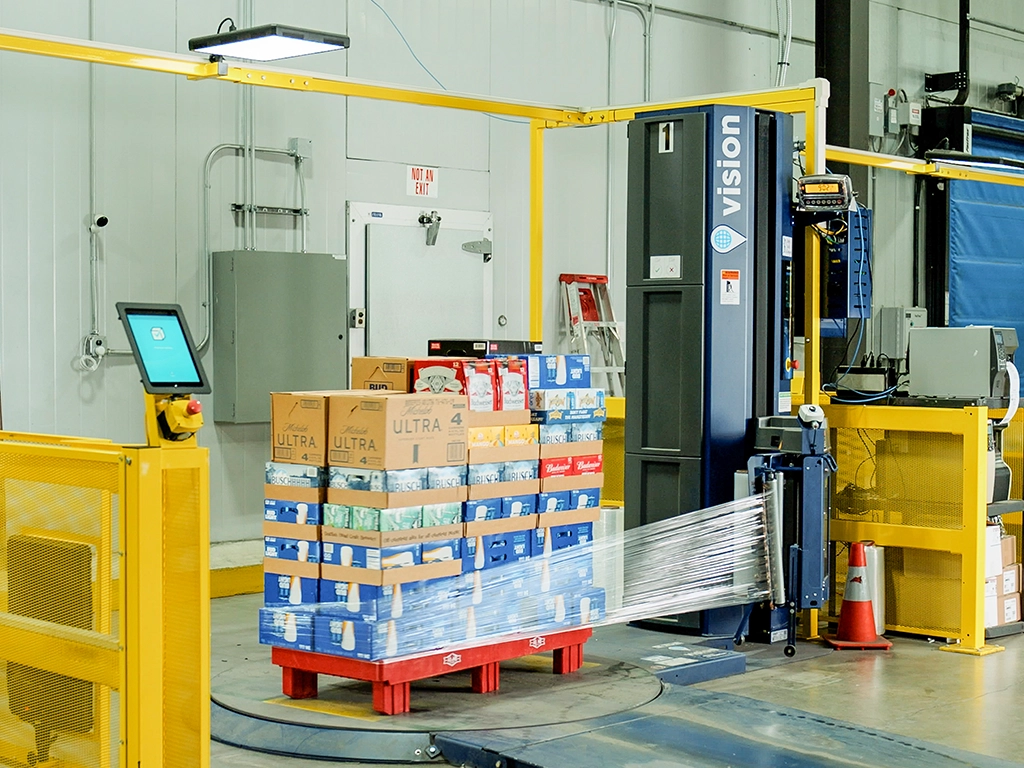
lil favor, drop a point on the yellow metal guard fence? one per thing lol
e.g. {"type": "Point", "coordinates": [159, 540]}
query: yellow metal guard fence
{"type": "Point", "coordinates": [104, 628]}
{"type": "Point", "coordinates": [912, 481]}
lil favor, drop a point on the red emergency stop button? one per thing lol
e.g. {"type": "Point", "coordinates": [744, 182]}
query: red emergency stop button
{"type": "Point", "coordinates": [796, 364]}
{"type": "Point", "coordinates": [194, 407]}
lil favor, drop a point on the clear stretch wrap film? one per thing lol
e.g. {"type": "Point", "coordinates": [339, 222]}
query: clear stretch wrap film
{"type": "Point", "coordinates": [710, 558]}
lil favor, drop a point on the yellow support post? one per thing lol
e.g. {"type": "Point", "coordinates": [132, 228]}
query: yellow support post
{"type": "Point", "coordinates": [536, 230]}
{"type": "Point", "coordinates": [972, 552]}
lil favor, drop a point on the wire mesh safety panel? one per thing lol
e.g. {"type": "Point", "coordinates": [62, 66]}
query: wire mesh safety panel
{"type": "Point", "coordinates": [59, 608]}
{"type": "Point", "coordinates": [184, 624]}
{"type": "Point", "coordinates": [899, 478]}
{"type": "Point", "coordinates": [1013, 454]}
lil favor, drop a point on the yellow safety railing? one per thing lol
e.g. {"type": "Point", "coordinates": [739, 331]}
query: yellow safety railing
{"type": "Point", "coordinates": [912, 480]}
{"type": "Point", "coordinates": [104, 621]}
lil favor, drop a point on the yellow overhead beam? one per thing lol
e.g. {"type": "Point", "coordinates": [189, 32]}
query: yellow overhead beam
{"type": "Point", "coordinates": [910, 165]}
{"type": "Point", "coordinates": [200, 68]}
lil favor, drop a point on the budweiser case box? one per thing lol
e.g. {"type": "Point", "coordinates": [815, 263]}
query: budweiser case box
{"type": "Point", "coordinates": [392, 430]}
{"type": "Point", "coordinates": [298, 425]}
{"type": "Point", "coordinates": [381, 373]}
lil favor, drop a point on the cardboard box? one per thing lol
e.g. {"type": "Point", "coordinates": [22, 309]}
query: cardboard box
{"type": "Point", "coordinates": [554, 434]}
{"type": "Point", "coordinates": [569, 517]}
{"type": "Point", "coordinates": [298, 427]}
{"type": "Point", "coordinates": [447, 375]}
{"type": "Point", "coordinates": [561, 450]}
{"type": "Point", "coordinates": [504, 454]}
{"type": "Point", "coordinates": [366, 602]}
{"type": "Point", "coordinates": [585, 498]}
{"type": "Point", "coordinates": [495, 549]}
{"type": "Point", "coordinates": [298, 550]}
{"type": "Point", "coordinates": [549, 399]}
{"type": "Point", "coordinates": [372, 558]}
{"type": "Point", "coordinates": [290, 588]}
{"type": "Point", "coordinates": [1006, 583]}
{"type": "Point", "coordinates": [561, 536]}
{"type": "Point", "coordinates": [397, 431]}
{"type": "Point", "coordinates": [993, 551]}
{"type": "Point", "coordinates": [500, 525]}
{"type": "Point", "coordinates": [294, 512]}
{"type": "Point", "coordinates": [554, 501]}
{"type": "Point", "coordinates": [379, 539]}
{"type": "Point", "coordinates": [284, 475]}
{"type": "Point", "coordinates": [286, 629]}
{"type": "Point", "coordinates": [442, 514]}
{"type": "Point", "coordinates": [291, 530]}
{"type": "Point", "coordinates": [393, 500]}
{"type": "Point", "coordinates": [571, 483]}
{"type": "Point", "coordinates": [558, 371]}
{"type": "Point", "coordinates": [391, 575]}
{"type": "Point", "coordinates": [586, 431]}
{"type": "Point", "coordinates": [497, 418]}
{"type": "Point", "coordinates": [590, 605]}
{"type": "Point", "coordinates": [588, 465]}
{"type": "Point", "coordinates": [381, 373]}
{"type": "Point", "coordinates": [1000, 611]}
{"type": "Point", "coordinates": [337, 515]}
{"type": "Point", "coordinates": [519, 506]}
{"type": "Point", "coordinates": [485, 437]}
{"type": "Point", "coordinates": [1008, 550]}
{"type": "Point", "coordinates": [517, 471]}
{"type": "Point", "coordinates": [523, 434]}
{"type": "Point", "coordinates": [568, 416]}
{"type": "Point", "coordinates": [556, 467]}
{"type": "Point", "coordinates": [500, 490]}
{"type": "Point", "coordinates": [585, 398]}
{"type": "Point", "coordinates": [442, 551]}
{"type": "Point", "coordinates": [374, 641]}
{"type": "Point", "coordinates": [482, 509]}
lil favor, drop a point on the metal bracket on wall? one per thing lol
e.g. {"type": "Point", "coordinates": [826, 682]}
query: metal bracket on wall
{"type": "Point", "coordinates": [273, 210]}
{"type": "Point", "coordinates": [945, 81]}
{"type": "Point", "coordinates": [483, 247]}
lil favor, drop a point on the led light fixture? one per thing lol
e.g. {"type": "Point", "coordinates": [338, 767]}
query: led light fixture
{"type": "Point", "coordinates": [268, 42]}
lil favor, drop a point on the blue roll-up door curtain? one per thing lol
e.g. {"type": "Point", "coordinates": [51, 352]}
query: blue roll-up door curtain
{"type": "Point", "coordinates": [986, 239]}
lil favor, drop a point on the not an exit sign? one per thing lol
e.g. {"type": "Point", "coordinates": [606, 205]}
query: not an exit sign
{"type": "Point", "coordinates": [421, 181]}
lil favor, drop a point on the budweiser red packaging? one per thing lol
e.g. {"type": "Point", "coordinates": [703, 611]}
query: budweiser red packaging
{"type": "Point", "coordinates": [438, 375]}
{"type": "Point", "coordinates": [481, 378]}
{"type": "Point", "coordinates": [459, 376]}
{"type": "Point", "coordinates": [513, 393]}
{"type": "Point", "coordinates": [588, 465]}
{"type": "Point", "coordinates": [558, 467]}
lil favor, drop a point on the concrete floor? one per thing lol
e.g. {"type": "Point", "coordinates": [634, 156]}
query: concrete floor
{"type": "Point", "coordinates": [915, 691]}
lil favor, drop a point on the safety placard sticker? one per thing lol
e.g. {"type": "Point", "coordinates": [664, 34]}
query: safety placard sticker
{"type": "Point", "coordinates": [730, 286]}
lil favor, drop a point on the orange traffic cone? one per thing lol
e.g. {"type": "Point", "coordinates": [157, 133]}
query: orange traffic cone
{"type": "Point", "coordinates": [856, 618]}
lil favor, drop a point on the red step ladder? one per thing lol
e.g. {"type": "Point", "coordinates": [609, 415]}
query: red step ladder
{"type": "Point", "coordinates": [590, 325]}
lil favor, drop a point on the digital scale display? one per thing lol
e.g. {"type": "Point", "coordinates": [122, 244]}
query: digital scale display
{"type": "Point", "coordinates": [823, 189]}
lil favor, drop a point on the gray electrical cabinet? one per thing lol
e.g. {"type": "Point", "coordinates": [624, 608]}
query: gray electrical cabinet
{"type": "Point", "coordinates": [280, 323]}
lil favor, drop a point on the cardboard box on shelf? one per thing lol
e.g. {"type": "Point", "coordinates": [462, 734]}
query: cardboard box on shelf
{"type": "Point", "coordinates": [291, 530]}
{"type": "Point", "coordinates": [500, 525]}
{"type": "Point", "coordinates": [298, 427]}
{"type": "Point", "coordinates": [1002, 610]}
{"type": "Point", "coordinates": [396, 431]}
{"type": "Point", "coordinates": [1005, 583]}
{"type": "Point", "coordinates": [993, 551]}
{"type": "Point", "coordinates": [295, 512]}
{"type": "Point", "coordinates": [1008, 551]}
{"type": "Point", "coordinates": [485, 437]}
{"type": "Point", "coordinates": [381, 373]}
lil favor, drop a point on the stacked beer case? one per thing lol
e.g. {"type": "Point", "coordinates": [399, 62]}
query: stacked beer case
{"type": "Point", "coordinates": [441, 510]}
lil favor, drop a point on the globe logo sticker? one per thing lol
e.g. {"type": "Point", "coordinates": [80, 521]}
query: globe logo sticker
{"type": "Point", "coordinates": [724, 238]}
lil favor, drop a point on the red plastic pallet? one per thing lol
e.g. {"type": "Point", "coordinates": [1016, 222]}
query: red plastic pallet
{"type": "Point", "coordinates": [391, 678]}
